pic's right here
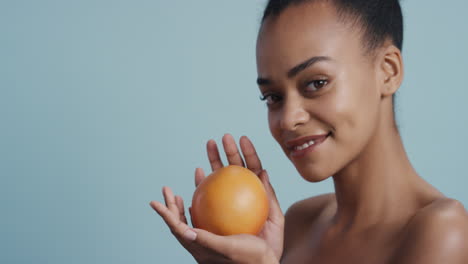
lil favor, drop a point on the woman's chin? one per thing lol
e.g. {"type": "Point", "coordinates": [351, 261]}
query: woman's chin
{"type": "Point", "coordinates": [313, 174]}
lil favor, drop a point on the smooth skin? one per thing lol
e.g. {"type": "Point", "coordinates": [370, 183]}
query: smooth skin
{"type": "Point", "coordinates": [382, 211]}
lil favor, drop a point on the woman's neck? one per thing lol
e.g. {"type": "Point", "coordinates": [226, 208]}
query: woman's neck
{"type": "Point", "coordinates": [380, 185]}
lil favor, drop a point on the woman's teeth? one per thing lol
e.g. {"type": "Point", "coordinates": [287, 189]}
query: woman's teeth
{"type": "Point", "coordinates": [305, 145]}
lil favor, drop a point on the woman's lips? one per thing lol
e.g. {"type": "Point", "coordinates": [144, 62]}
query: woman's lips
{"type": "Point", "coordinates": [300, 147]}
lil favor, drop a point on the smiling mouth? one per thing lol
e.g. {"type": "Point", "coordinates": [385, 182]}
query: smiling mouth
{"type": "Point", "coordinates": [305, 145]}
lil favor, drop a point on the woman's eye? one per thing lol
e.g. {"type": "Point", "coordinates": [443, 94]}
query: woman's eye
{"type": "Point", "coordinates": [270, 98]}
{"type": "Point", "coordinates": [317, 84]}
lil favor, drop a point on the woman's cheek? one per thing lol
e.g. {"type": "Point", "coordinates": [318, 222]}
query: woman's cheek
{"type": "Point", "coordinates": [273, 124]}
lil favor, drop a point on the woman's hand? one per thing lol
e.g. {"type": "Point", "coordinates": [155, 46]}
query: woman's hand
{"type": "Point", "coordinates": [207, 247]}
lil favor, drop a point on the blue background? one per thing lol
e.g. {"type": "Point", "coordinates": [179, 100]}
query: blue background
{"type": "Point", "coordinates": [104, 102]}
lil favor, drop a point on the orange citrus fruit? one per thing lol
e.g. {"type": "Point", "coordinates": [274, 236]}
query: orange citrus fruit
{"type": "Point", "coordinates": [231, 200]}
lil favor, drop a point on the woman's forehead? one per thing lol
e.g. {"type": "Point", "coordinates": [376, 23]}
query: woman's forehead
{"type": "Point", "coordinates": [305, 31]}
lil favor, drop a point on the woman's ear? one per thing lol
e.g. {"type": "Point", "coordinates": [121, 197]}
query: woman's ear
{"type": "Point", "coordinates": [391, 70]}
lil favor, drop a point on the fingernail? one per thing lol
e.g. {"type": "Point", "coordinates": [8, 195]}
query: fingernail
{"type": "Point", "coordinates": [190, 235]}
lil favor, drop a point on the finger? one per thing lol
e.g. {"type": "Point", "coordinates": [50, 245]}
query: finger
{"type": "Point", "coordinates": [213, 155]}
{"type": "Point", "coordinates": [180, 230]}
{"type": "Point", "coordinates": [191, 217]}
{"type": "Point", "coordinates": [194, 240]}
{"type": "Point", "coordinates": [170, 200]}
{"type": "Point", "coordinates": [159, 208]}
{"type": "Point", "coordinates": [199, 176]}
{"type": "Point", "coordinates": [232, 153]}
{"type": "Point", "coordinates": [275, 214]}
{"type": "Point", "coordinates": [250, 155]}
{"type": "Point", "coordinates": [180, 205]}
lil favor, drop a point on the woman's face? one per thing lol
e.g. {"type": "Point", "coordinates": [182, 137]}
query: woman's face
{"type": "Point", "coordinates": [319, 86]}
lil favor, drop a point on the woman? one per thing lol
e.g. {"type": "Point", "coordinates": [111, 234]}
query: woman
{"type": "Point", "coordinates": [328, 71]}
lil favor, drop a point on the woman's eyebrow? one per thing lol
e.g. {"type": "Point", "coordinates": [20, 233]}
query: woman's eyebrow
{"type": "Point", "coordinates": [307, 63]}
{"type": "Point", "coordinates": [296, 69]}
{"type": "Point", "coordinates": [263, 81]}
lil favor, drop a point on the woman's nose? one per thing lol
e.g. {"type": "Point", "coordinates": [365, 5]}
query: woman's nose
{"type": "Point", "coordinates": [293, 115]}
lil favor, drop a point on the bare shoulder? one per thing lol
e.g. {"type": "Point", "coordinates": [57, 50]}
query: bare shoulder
{"type": "Point", "coordinates": [438, 233]}
{"type": "Point", "coordinates": [441, 217]}
{"type": "Point", "coordinates": [309, 207]}
{"type": "Point", "coordinates": [301, 216]}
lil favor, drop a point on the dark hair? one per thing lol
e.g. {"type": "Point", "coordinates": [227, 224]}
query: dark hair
{"type": "Point", "coordinates": [379, 19]}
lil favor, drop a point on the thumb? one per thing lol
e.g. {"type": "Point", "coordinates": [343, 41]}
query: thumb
{"type": "Point", "coordinates": [275, 209]}
{"type": "Point", "coordinates": [220, 244]}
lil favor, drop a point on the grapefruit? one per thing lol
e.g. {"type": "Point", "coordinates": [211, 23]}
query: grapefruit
{"type": "Point", "coordinates": [231, 200]}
